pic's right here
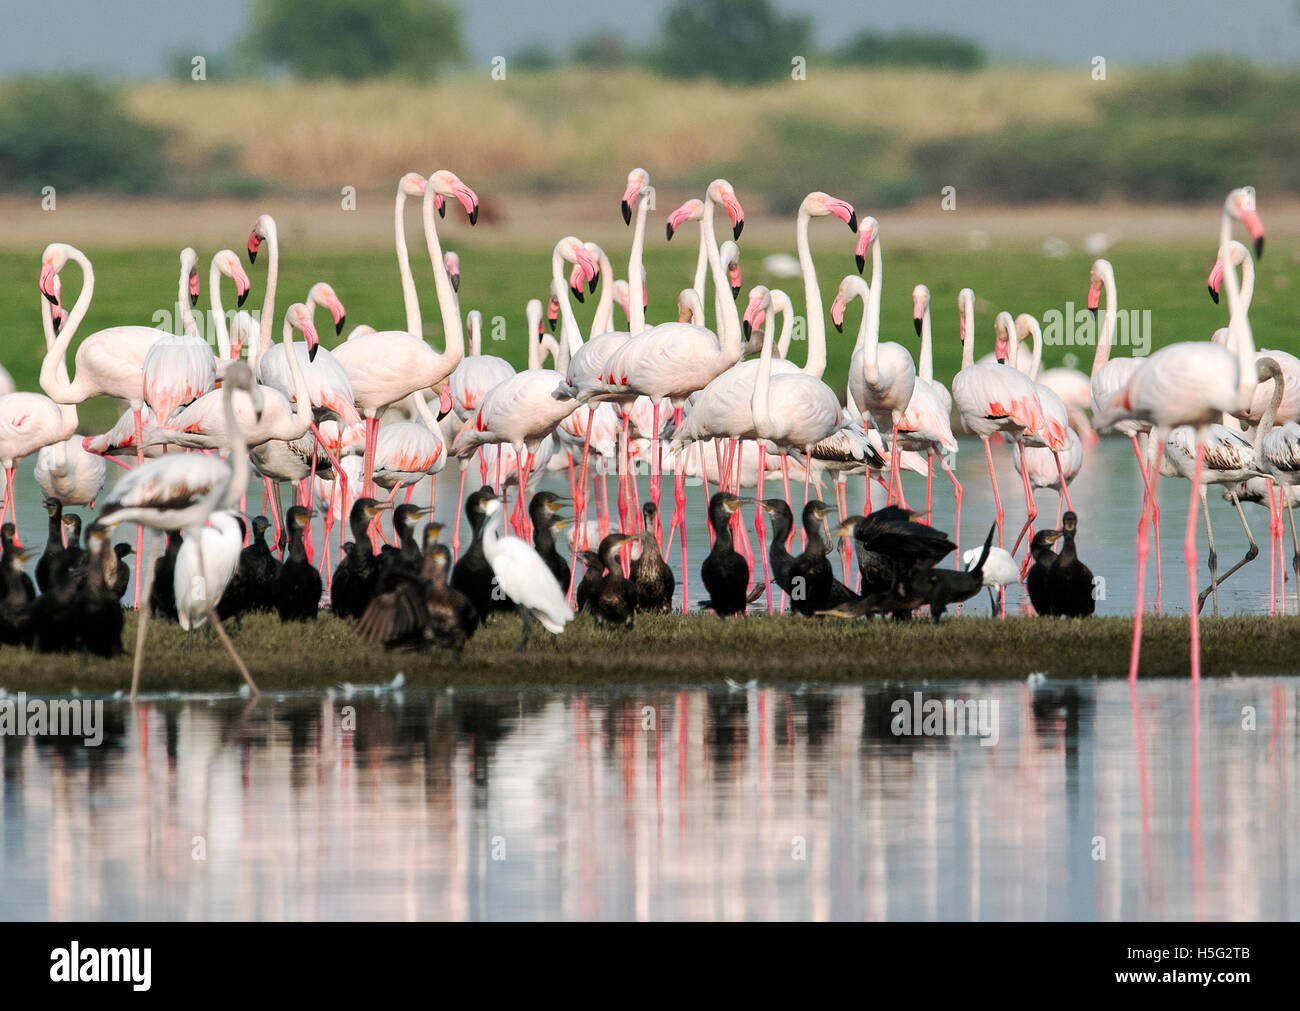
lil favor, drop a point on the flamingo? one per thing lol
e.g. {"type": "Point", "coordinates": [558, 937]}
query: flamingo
{"type": "Point", "coordinates": [1053, 435]}
{"type": "Point", "coordinates": [407, 451]}
{"type": "Point", "coordinates": [180, 367]}
{"type": "Point", "coordinates": [202, 424]}
{"type": "Point", "coordinates": [179, 491]}
{"type": "Point", "coordinates": [1277, 453]}
{"type": "Point", "coordinates": [389, 365]}
{"type": "Point", "coordinates": [1191, 383]}
{"type": "Point", "coordinates": [67, 472]}
{"type": "Point", "coordinates": [992, 399]}
{"type": "Point", "coordinates": [882, 377]}
{"type": "Point", "coordinates": [29, 422]}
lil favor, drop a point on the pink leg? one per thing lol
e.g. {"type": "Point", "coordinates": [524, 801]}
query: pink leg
{"type": "Point", "coordinates": [807, 486]}
{"type": "Point", "coordinates": [460, 509]}
{"type": "Point", "coordinates": [1143, 551]}
{"type": "Point", "coordinates": [1031, 508]}
{"type": "Point", "coordinates": [997, 496]}
{"type": "Point", "coordinates": [760, 527]}
{"type": "Point", "coordinates": [929, 487]}
{"type": "Point", "coordinates": [1189, 549]}
{"type": "Point", "coordinates": [139, 531]}
{"type": "Point", "coordinates": [957, 497]}
{"type": "Point", "coordinates": [1065, 487]}
{"type": "Point", "coordinates": [655, 470]}
{"type": "Point", "coordinates": [372, 439]}
{"type": "Point", "coordinates": [1272, 552]}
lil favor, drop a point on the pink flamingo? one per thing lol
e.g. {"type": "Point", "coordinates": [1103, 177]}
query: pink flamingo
{"type": "Point", "coordinates": [1191, 383]}
{"type": "Point", "coordinates": [389, 365]}
{"type": "Point", "coordinates": [992, 399]}
{"type": "Point", "coordinates": [67, 472]}
{"type": "Point", "coordinates": [180, 367]}
{"type": "Point", "coordinates": [1054, 435]}
{"type": "Point", "coordinates": [882, 377]}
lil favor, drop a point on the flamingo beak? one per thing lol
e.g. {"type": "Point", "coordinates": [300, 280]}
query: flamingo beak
{"type": "Point", "coordinates": [57, 316]}
{"type": "Point", "coordinates": [733, 275]}
{"type": "Point", "coordinates": [454, 277]}
{"type": "Point", "coordinates": [444, 402]}
{"type": "Point", "coordinates": [194, 287]}
{"type": "Point", "coordinates": [1215, 279]}
{"type": "Point", "coordinates": [1094, 298]}
{"type": "Point", "coordinates": [467, 200]}
{"type": "Point", "coordinates": [843, 210]}
{"type": "Point", "coordinates": [47, 283]}
{"type": "Point", "coordinates": [313, 341]}
{"type": "Point", "coordinates": [837, 313]}
{"type": "Point", "coordinates": [676, 218]}
{"type": "Point", "coordinates": [629, 196]}
{"type": "Point", "coordinates": [575, 282]}
{"type": "Point", "coordinates": [1250, 218]}
{"type": "Point", "coordinates": [864, 243]}
{"type": "Point", "coordinates": [552, 312]}
{"type": "Point", "coordinates": [440, 204]}
{"type": "Point", "coordinates": [961, 329]}
{"type": "Point", "coordinates": [254, 243]}
{"type": "Point", "coordinates": [736, 213]}
{"type": "Point", "coordinates": [242, 285]}
{"type": "Point", "coordinates": [918, 312]}
{"type": "Point", "coordinates": [340, 315]}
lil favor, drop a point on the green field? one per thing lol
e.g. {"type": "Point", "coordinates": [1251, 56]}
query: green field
{"type": "Point", "coordinates": [1170, 282]}
{"type": "Point", "coordinates": [699, 649]}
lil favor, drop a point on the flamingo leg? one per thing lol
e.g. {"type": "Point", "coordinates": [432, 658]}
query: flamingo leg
{"type": "Point", "coordinates": [372, 440]}
{"type": "Point", "coordinates": [139, 459]}
{"type": "Point", "coordinates": [957, 493]}
{"type": "Point", "coordinates": [147, 563]}
{"type": "Point", "coordinates": [1295, 548]}
{"type": "Point", "coordinates": [1272, 550]}
{"type": "Point", "coordinates": [760, 527]}
{"type": "Point", "coordinates": [460, 509]}
{"type": "Point", "coordinates": [1031, 507]}
{"type": "Point", "coordinates": [1212, 558]}
{"type": "Point", "coordinates": [1189, 550]}
{"type": "Point", "coordinates": [679, 503]}
{"type": "Point", "coordinates": [656, 465]}
{"type": "Point", "coordinates": [1143, 552]}
{"type": "Point", "coordinates": [929, 488]}
{"type": "Point", "coordinates": [1065, 486]}
{"type": "Point", "coordinates": [997, 496]}
{"type": "Point", "coordinates": [221, 630]}
{"type": "Point", "coordinates": [807, 486]}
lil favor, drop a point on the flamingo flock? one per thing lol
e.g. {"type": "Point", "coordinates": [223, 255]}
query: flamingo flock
{"type": "Point", "coordinates": [709, 396]}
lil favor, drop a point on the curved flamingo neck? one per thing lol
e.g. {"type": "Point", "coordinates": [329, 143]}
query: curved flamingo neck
{"type": "Point", "coordinates": [1247, 282]}
{"type": "Point", "coordinates": [218, 310]}
{"type": "Point", "coordinates": [690, 301]}
{"type": "Point", "coordinates": [54, 367]}
{"type": "Point", "coordinates": [968, 325]}
{"type": "Point", "coordinates": [759, 401]}
{"type": "Point", "coordinates": [67, 412]}
{"type": "Point", "coordinates": [781, 303]}
{"type": "Point", "coordinates": [272, 276]}
{"type": "Point", "coordinates": [603, 321]}
{"type": "Point", "coordinates": [410, 297]}
{"type": "Point", "coordinates": [571, 336]}
{"type": "Point", "coordinates": [635, 282]}
{"type": "Point", "coordinates": [1102, 355]}
{"type": "Point", "coordinates": [728, 321]}
{"type": "Point", "coordinates": [453, 334]}
{"type": "Point", "coordinates": [236, 458]}
{"type": "Point", "coordinates": [927, 349]}
{"type": "Point", "coordinates": [188, 324]}
{"type": "Point", "coordinates": [301, 395]}
{"type": "Point", "coordinates": [812, 297]}
{"type": "Point", "coordinates": [1238, 322]}
{"type": "Point", "coordinates": [1266, 369]}
{"type": "Point", "coordinates": [533, 317]}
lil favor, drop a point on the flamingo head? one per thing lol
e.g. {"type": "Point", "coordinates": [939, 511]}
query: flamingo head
{"type": "Point", "coordinates": [730, 255]}
{"type": "Point", "coordinates": [692, 210]}
{"type": "Point", "coordinates": [412, 184]}
{"type": "Point", "coordinates": [53, 260]}
{"type": "Point", "coordinates": [190, 270]}
{"type": "Point", "coordinates": [1002, 325]}
{"type": "Point", "coordinates": [1241, 206]}
{"type": "Point", "coordinates": [57, 315]}
{"type": "Point", "coordinates": [552, 314]}
{"type": "Point", "coordinates": [850, 288]}
{"type": "Point", "coordinates": [239, 376]}
{"type": "Point", "coordinates": [263, 229]}
{"type": "Point", "coordinates": [227, 261]}
{"type": "Point", "coordinates": [298, 316]}
{"type": "Point", "coordinates": [451, 261]}
{"type": "Point", "coordinates": [638, 182]}
{"type": "Point", "coordinates": [722, 192]}
{"type": "Point", "coordinates": [623, 296]}
{"type": "Point", "coordinates": [578, 252]}
{"type": "Point", "coordinates": [760, 302]}
{"type": "Point", "coordinates": [818, 204]}
{"type": "Point", "coordinates": [965, 301]}
{"type": "Point", "coordinates": [868, 232]}
{"type": "Point", "coordinates": [920, 306]}
{"type": "Point", "coordinates": [447, 185]}
{"type": "Point", "coordinates": [322, 294]}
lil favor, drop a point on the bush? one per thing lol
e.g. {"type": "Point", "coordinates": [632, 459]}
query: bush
{"type": "Point", "coordinates": [533, 57]}
{"type": "Point", "coordinates": [73, 133]}
{"type": "Point", "coordinates": [355, 39]}
{"type": "Point", "coordinates": [913, 49]}
{"type": "Point", "coordinates": [603, 50]}
{"type": "Point", "coordinates": [736, 41]}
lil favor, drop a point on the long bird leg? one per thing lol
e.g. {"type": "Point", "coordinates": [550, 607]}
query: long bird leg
{"type": "Point", "coordinates": [929, 488]}
{"type": "Point", "coordinates": [656, 465]}
{"type": "Point", "coordinates": [460, 509]}
{"type": "Point", "coordinates": [1189, 550]}
{"type": "Point", "coordinates": [679, 504]}
{"type": "Point", "coordinates": [1031, 507]}
{"type": "Point", "coordinates": [1065, 487]}
{"type": "Point", "coordinates": [1145, 470]}
{"type": "Point", "coordinates": [1212, 558]}
{"type": "Point", "coordinates": [1272, 549]}
{"type": "Point", "coordinates": [142, 614]}
{"type": "Point", "coordinates": [139, 530]}
{"type": "Point", "coordinates": [957, 497]}
{"type": "Point", "coordinates": [1295, 547]}
{"type": "Point", "coordinates": [1251, 552]}
{"type": "Point", "coordinates": [219, 628]}
{"type": "Point", "coordinates": [807, 484]}
{"type": "Point", "coordinates": [760, 526]}
{"type": "Point", "coordinates": [993, 479]}
{"type": "Point", "coordinates": [1143, 552]}
{"type": "Point", "coordinates": [622, 475]}
{"type": "Point", "coordinates": [896, 470]}
{"type": "Point", "coordinates": [372, 440]}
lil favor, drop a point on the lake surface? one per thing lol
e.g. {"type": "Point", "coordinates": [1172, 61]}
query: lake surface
{"type": "Point", "coordinates": [753, 804]}
{"type": "Point", "coordinates": [1106, 495]}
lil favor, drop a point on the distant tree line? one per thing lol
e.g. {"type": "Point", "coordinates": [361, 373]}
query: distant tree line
{"type": "Point", "coordinates": [736, 41]}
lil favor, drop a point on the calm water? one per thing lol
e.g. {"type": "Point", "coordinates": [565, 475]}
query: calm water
{"type": "Point", "coordinates": [695, 804]}
{"type": "Point", "coordinates": [1106, 495]}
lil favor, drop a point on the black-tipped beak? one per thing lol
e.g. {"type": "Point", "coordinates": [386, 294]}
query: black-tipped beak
{"type": "Point", "coordinates": [473, 215]}
{"type": "Point", "coordinates": [455, 282]}
{"type": "Point", "coordinates": [194, 300]}
{"type": "Point", "coordinates": [1094, 311]}
{"type": "Point", "coordinates": [627, 213]}
{"type": "Point", "coordinates": [442, 209]}
{"type": "Point", "coordinates": [839, 327]}
{"type": "Point", "coordinates": [577, 293]}
{"type": "Point", "coordinates": [58, 325]}
{"type": "Point", "coordinates": [338, 327]}
{"type": "Point", "coordinates": [735, 292]}
{"type": "Point", "coordinates": [311, 356]}
{"type": "Point", "coordinates": [1259, 248]}
{"type": "Point", "coordinates": [916, 322]}
{"type": "Point", "coordinates": [252, 255]}
{"type": "Point", "coordinates": [243, 297]}
{"type": "Point", "coordinates": [54, 299]}
{"type": "Point", "coordinates": [1213, 294]}
{"type": "Point", "coordinates": [853, 222]}
{"type": "Point", "coordinates": [668, 229]}
{"type": "Point", "coordinates": [745, 325]}
{"type": "Point", "coordinates": [551, 324]}
{"type": "Point", "coordinates": [591, 285]}
{"type": "Point", "coordinates": [737, 229]}
{"type": "Point", "coordinates": [861, 261]}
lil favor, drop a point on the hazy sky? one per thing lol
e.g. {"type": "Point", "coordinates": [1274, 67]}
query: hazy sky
{"type": "Point", "coordinates": [134, 37]}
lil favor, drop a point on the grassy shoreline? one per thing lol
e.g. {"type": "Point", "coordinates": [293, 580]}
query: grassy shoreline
{"type": "Point", "coordinates": [699, 649]}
